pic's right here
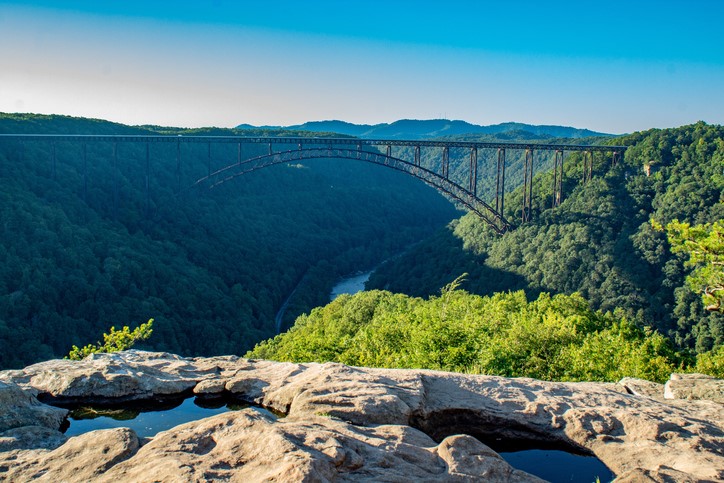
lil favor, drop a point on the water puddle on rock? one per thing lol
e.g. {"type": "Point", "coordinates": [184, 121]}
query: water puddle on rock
{"type": "Point", "coordinates": [149, 417]}
{"type": "Point", "coordinates": [559, 466]}
{"type": "Point", "coordinates": [146, 418]}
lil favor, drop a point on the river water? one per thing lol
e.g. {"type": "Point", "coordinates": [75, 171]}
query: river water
{"type": "Point", "coordinates": [350, 285]}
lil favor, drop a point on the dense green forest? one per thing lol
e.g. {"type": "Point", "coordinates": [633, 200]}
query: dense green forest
{"type": "Point", "coordinates": [552, 338]}
{"type": "Point", "coordinates": [600, 242]}
{"type": "Point", "coordinates": [79, 254]}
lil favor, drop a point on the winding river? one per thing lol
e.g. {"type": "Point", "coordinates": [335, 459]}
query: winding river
{"type": "Point", "coordinates": [350, 285]}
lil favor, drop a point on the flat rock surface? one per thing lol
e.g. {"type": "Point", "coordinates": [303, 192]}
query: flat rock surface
{"type": "Point", "coordinates": [351, 424]}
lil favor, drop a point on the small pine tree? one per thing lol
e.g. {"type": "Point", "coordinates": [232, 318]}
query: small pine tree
{"type": "Point", "coordinates": [116, 340]}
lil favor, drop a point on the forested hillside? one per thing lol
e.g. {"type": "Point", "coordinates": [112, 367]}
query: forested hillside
{"type": "Point", "coordinates": [599, 242]}
{"type": "Point", "coordinates": [552, 338]}
{"type": "Point", "coordinates": [78, 255]}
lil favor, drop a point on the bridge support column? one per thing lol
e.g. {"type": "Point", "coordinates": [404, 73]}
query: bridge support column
{"type": "Point", "coordinates": [85, 173]}
{"type": "Point", "coordinates": [208, 159]}
{"type": "Point", "coordinates": [115, 181]}
{"type": "Point", "coordinates": [417, 155]}
{"type": "Point", "coordinates": [500, 183]}
{"type": "Point", "coordinates": [558, 179]}
{"type": "Point", "coordinates": [270, 149]}
{"type": "Point", "coordinates": [446, 162]}
{"type": "Point", "coordinates": [238, 152]}
{"type": "Point", "coordinates": [527, 186]}
{"type": "Point", "coordinates": [54, 161]}
{"type": "Point", "coordinates": [389, 154]}
{"type": "Point", "coordinates": [587, 166]}
{"type": "Point", "coordinates": [474, 171]}
{"type": "Point", "coordinates": [178, 166]}
{"type": "Point", "coordinates": [148, 175]}
{"type": "Point", "coordinates": [615, 158]}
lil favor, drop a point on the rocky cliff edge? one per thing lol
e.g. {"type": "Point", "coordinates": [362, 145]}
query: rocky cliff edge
{"type": "Point", "coordinates": [352, 424]}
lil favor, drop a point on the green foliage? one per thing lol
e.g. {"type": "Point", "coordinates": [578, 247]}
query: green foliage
{"type": "Point", "coordinates": [114, 341]}
{"type": "Point", "coordinates": [552, 338]}
{"type": "Point", "coordinates": [704, 245]}
{"type": "Point", "coordinates": [711, 362]}
{"type": "Point", "coordinates": [598, 242]}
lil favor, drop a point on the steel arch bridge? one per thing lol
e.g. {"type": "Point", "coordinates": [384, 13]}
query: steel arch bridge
{"type": "Point", "coordinates": [442, 184]}
{"type": "Point", "coordinates": [375, 151]}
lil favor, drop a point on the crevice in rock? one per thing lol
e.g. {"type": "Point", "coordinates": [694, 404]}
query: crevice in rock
{"type": "Point", "coordinates": [498, 433]}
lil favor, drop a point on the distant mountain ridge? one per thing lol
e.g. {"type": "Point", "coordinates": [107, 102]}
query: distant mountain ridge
{"type": "Point", "coordinates": [431, 128]}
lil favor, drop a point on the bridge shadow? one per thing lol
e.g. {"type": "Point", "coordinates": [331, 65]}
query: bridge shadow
{"type": "Point", "coordinates": [437, 261]}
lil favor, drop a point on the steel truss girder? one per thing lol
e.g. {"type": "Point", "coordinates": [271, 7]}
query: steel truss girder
{"type": "Point", "coordinates": [308, 141]}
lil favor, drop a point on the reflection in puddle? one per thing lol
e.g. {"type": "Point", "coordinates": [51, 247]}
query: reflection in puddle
{"type": "Point", "coordinates": [146, 418]}
{"type": "Point", "coordinates": [559, 466]}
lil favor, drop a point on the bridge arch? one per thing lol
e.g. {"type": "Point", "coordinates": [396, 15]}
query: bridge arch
{"type": "Point", "coordinates": [437, 181]}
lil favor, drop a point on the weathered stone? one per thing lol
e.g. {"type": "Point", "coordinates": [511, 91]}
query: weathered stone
{"type": "Point", "coordinates": [349, 423]}
{"type": "Point", "coordinates": [210, 386]}
{"type": "Point", "coordinates": [131, 375]}
{"type": "Point", "coordinates": [248, 446]}
{"type": "Point", "coordinates": [31, 437]}
{"type": "Point", "coordinates": [20, 408]}
{"type": "Point", "coordinates": [642, 387]}
{"type": "Point", "coordinates": [694, 386]}
{"type": "Point", "coordinates": [81, 458]}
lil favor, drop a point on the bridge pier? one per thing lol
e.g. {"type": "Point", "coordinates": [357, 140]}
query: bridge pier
{"type": "Point", "coordinates": [527, 186]}
{"type": "Point", "coordinates": [417, 155]}
{"type": "Point", "coordinates": [587, 166]}
{"type": "Point", "coordinates": [389, 154]}
{"type": "Point", "coordinates": [208, 159]}
{"type": "Point", "coordinates": [500, 182]}
{"type": "Point", "coordinates": [178, 166]}
{"type": "Point", "coordinates": [148, 180]}
{"type": "Point", "coordinates": [558, 179]}
{"type": "Point", "coordinates": [85, 173]}
{"type": "Point", "coordinates": [115, 181]}
{"type": "Point", "coordinates": [474, 171]}
{"type": "Point", "coordinates": [446, 162]}
{"type": "Point", "coordinates": [54, 161]}
{"type": "Point", "coordinates": [615, 158]}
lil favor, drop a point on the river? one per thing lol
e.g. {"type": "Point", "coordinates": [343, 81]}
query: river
{"type": "Point", "coordinates": [350, 285]}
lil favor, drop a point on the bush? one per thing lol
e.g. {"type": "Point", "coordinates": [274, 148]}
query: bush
{"type": "Point", "coordinates": [116, 340]}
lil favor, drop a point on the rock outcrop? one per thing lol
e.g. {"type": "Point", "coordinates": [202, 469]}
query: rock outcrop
{"type": "Point", "coordinates": [349, 424]}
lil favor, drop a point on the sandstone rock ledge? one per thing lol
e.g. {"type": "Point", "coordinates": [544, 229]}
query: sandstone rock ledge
{"type": "Point", "coordinates": [350, 424]}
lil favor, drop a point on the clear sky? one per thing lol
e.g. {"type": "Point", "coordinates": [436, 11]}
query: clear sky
{"type": "Point", "coordinates": [612, 66]}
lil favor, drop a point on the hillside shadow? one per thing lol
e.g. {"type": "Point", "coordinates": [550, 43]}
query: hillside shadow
{"type": "Point", "coordinates": [436, 262]}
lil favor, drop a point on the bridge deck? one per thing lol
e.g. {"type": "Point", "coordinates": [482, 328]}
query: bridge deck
{"type": "Point", "coordinates": [308, 141]}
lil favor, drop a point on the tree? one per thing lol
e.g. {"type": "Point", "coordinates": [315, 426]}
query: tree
{"type": "Point", "coordinates": [116, 340]}
{"type": "Point", "coordinates": [705, 246]}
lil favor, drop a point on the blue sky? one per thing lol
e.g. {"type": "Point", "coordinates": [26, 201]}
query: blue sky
{"type": "Point", "coordinates": [609, 66]}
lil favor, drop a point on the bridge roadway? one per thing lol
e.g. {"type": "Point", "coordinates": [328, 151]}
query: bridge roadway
{"type": "Point", "coordinates": [314, 147]}
{"type": "Point", "coordinates": [312, 140]}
